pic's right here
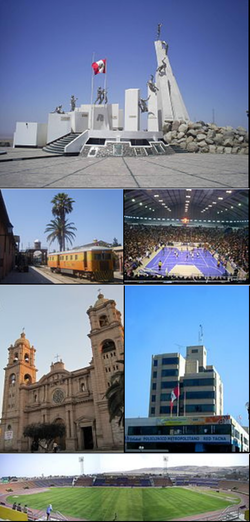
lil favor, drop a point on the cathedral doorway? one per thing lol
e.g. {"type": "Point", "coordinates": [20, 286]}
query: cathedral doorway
{"type": "Point", "coordinates": [61, 441]}
{"type": "Point", "coordinates": [87, 441]}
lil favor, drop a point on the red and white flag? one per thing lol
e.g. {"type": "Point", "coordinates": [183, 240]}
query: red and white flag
{"type": "Point", "coordinates": [175, 393]}
{"type": "Point", "coordinates": [99, 67]}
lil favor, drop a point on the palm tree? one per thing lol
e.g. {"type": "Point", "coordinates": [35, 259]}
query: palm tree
{"type": "Point", "coordinates": [115, 396]}
{"type": "Point", "coordinates": [62, 205]}
{"type": "Point", "coordinates": [60, 230]}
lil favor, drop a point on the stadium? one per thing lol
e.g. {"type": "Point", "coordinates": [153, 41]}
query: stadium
{"type": "Point", "coordinates": [144, 494]}
{"type": "Point", "coordinates": [186, 235]}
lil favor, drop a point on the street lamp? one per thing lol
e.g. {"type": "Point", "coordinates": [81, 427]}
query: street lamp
{"type": "Point", "coordinates": [247, 408]}
{"type": "Point", "coordinates": [141, 448]}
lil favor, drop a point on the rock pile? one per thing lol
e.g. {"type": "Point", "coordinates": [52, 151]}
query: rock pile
{"type": "Point", "coordinates": [206, 137]}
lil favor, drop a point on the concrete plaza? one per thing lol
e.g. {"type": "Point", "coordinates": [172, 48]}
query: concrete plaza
{"type": "Point", "coordinates": [33, 168]}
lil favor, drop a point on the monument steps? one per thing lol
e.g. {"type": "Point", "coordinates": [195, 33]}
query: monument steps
{"type": "Point", "coordinates": [57, 146]}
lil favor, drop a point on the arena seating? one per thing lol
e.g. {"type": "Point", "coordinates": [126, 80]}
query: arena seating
{"type": "Point", "coordinates": [196, 481]}
{"type": "Point", "coordinates": [123, 481]}
{"type": "Point", "coordinates": [84, 481]}
{"type": "Point", "coordinates": [237, 485]}
{"type": "Point", "coordinates": [54, 481]}
{"type": "Point", "coordinates": [162, 481]}
{"type": "Point", "coordinates": [17, 485]}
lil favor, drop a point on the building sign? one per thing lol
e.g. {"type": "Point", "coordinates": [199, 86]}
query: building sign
{"type": "Point", "coordinates": [8, 435]}
{"type": "Point", "coordinates": [222, 439]}
{"type": "Point", "coordinates": [181, 421]}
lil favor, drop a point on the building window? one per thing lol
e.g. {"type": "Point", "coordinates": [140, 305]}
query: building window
{"type": "Point", "coordinates": [155, 362]}
{"type": "Point", "coordinates": [108, 346]}
{"type": "Point", "coordinates": [154, 375]}
{"type": "Point", "coordinates": [170, 360]}
{"type": "Point", "coordinates": [199, 382]}
{"type": "Point", "coordinates": [169, 384]}
{"type": "Point", "coordinates": [12, 379]}
{"type": "Point", "coordinates": [169, 373]}
{"type": "Point", "coordinates": [26, 358]}
{"type": "Point", "coordinates": [153, 398]}
{"type": "Point", "coordinates": [165, 396]}
{"type": "Point", "coordinates": [15, 357]}
{"type": "Point", "coordinates": [200, 408]}
{"type": "Point", "coordinates": [152, 410]}
{"type": "Point", "coordinates": [194, 351]}
{"type": "Point", "coordinates": [103, 321]}
{"type": "Point", "coordinates": [154, 386]}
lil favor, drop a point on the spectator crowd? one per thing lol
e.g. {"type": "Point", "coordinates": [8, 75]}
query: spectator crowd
{"type": "Point", "coordinates": [141, 241]}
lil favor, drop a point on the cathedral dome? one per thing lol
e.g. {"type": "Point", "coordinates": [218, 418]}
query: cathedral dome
{"type": "Point", "coordinates": [100, 300]}
{"type": "Point", "coordinates": [22, 340]}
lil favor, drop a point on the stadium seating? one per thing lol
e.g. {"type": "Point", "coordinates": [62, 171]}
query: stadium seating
{"type": "Point", "coordinates": [237, 485]}
{"type": "Point", "coordinates": [84, 481]}
{"type": "Point", "coordinates": [196, 481]}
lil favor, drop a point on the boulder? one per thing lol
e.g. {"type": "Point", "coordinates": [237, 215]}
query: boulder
{"type": "Point", "coordinates": [240, 139]}
{"type": "Point", "coordinates": [229, 134]}
{"type": "Point", "coordinates": [167, 127]}
{"type": "Point", "coordinates": [241, 129]}
{"type": "Point", "coordinates": [228, 142]}
{"type": "Point", "coordinates": [201, 137]}
{"type": "Point", "coordinates": [175, 125]}
{"type": "Point", "coordinates": [192, 132]}
{"type": "Point", "coordinates": [202, 143]}
{"type": "Point", "coordinates": [235, 150]}
{"type": "Point", "coordinates": [220, 150]}
{"type": "Point", "coordinates": [192, 147]}
{"type": "Point", "coordinates": [183, 145]}
{"type": "Point", "coordinates": [180, 135]}
{"type": "Point", "coordinates": [183, 128]}
{"type": "Point", "coordinates": [197, 125]}
{"type": "Point", "coordinates": [218, 139]}
{"type": "Point", "coordinates": [168, 137]}
{"type": "Point", "coordinates": [227, 150]}
{"type": "Point", "coordinates": [174, 133]}
{"type": "Point", "coordinates": [204, 149]}
{"type": "Point", "coordinates": [212, 149]}
{"type": "Point", "coordinates": [213, 126]}
{"type": "Point", "coordinates": [209, 141]}
{"type": "Point", "coordinates": [211, 133]}
{"type": "Point", "coordinates": [190, 139]}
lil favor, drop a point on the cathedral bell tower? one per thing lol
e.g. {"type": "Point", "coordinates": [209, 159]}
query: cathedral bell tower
{"type": "Point", "coordinates": [107, 340]}
{"type": "Point", "coordinates": [20, 372]}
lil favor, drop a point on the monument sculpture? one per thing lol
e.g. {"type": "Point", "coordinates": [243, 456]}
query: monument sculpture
{"type": "Point", "coordinates": [101, 96]}
{"type": "Point", "coordinates": [59, 110]}
{"type": "Point", "coordinates": [73, 102]}
{"type": "Point", "coordinates": [162, 68]}
{"type": "Point", "coordinates": [143, 104]}
{"type": "Point", "coordinates": [151, 84]}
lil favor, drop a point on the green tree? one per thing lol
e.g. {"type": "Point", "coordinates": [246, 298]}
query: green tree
{"type": "Point", "coordinates": [115, 242]}
{"type": "Point", "coordinates": [44, 432]}
{"type": "Point", "coordinates": [62, 205]}
{"type": "Point", "coordinates": [60, 230]}
{"type": "Point", "coordinates": [115, 396]}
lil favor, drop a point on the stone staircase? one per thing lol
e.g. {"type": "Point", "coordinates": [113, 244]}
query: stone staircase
{"type": "Point", "coordinates": [57, 146]}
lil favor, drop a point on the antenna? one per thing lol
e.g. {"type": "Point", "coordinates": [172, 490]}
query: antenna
{"type": "Point", "coordinates": [180, 346]}
{"type": "Point", "coordinates": [200, 334]}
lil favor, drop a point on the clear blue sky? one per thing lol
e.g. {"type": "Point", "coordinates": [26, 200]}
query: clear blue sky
{"type": "Point", "coordinates": [157, 319]}
{"type": "Point", "coordinates": [55, 322]}
{"type": "Point", "coordinates": [35, 465]}
{"type": "Point", "coordinates": [46, 54]}
{"type": "Point", "coordinates": [97, 214]}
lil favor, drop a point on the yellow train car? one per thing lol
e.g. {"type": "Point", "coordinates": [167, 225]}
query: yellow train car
{"type": "Point", "coordinates": [95, 263]}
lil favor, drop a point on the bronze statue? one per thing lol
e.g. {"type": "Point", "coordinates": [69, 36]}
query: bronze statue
{"type": "Point", "coordinates": [59, 110]}
{"type": "Point", "coordinates": [73, 102]}
{"type": "Point", "coordinates": [151, 84]}
{"type": "Point", "coordinates": [101, 96]}
{"type": "Point", "coordinates": [162, 68]}
{"type": "Point", "coordinates": [159, 31]}
{"type": "Point", "coordinates": [143, 104]}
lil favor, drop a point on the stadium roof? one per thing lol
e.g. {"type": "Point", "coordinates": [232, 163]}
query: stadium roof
{"type": "Point", "coordinates": [208, 204]}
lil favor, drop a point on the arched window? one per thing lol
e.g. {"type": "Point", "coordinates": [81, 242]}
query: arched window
{"type": "Point", "coordinates": [9, 427]}
{"type": "Point", "coordinates": [108, 346]}
{"type": "Point", "coordinates": [12, 379]}
{"type": "Point", "coordinates": [27, 379]}
{"type": "Point", "coordinates": [15, 357]}
{"type": "Point", "coordinates": [26, 358]}
{"type": "Point", "coordinates": [103, 321]}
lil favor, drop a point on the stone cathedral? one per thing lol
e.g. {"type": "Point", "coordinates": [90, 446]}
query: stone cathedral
{"type": "Point", "coordinates": [76, 398]}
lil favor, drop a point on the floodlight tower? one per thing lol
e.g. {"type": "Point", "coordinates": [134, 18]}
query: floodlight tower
{"type": "Point", "coordinates": [165, 465]}
{"type": "Point", "coordinates": [81, 460]}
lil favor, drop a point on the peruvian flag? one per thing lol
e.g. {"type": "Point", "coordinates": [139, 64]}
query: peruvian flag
{"type": "Point", "coordinates": [99, 67]}
{"type": "Point", "coordinates": [175, 393]}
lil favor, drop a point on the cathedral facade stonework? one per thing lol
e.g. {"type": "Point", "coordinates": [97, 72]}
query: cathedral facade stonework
{"type": "Point", "coordinates": [74, 398]}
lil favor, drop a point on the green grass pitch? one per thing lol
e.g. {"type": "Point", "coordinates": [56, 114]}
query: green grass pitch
{"type": "Point", "coordinates": [148, 504]}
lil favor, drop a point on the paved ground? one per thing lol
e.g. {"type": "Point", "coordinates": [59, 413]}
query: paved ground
{"type": "Point", "coordinates": [178, 170]}
{"type": "Point", "coordinates": [36, 276]}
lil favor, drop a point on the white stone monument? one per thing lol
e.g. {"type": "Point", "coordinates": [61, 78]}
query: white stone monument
{"type": "Point", "coordinates": [170, 103]}
{"type": "Point", "coordinates": [132, 112]}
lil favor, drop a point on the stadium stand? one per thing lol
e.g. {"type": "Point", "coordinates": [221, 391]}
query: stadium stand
{"type": "Point", "coordinates": [236, 485]}
{"type": "Point", "coordinates": [84, 481]}
{"type": "Point", "coordinates": [196, 481]}
{"type": "Point", "coordinates": [162, 482]}
{"type": "Point", "coordinates": [123, 481]}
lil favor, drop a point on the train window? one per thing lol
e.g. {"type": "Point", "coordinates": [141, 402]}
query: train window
{"type": "Point", "coordinates": [61, 258]}
{"type": "Point", "coordinates": [66, 258]}
{"type": "Point", "coordinates": [71, 257]}
{"type": "Point", "coordinates": [108, 256]}
{"type": "Point", "coordinates": [76, 257]}
{"type": "Point", "coordinates": [97, 256]}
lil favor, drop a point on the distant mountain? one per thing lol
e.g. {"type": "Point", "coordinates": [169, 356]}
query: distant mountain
{"type": "Point", "coordinates": [230, 472]}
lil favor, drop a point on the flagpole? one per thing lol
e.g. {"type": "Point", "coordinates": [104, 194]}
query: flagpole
{"type": "Point", "coordinates": [92, 90]}
{"type": "Point", "coordinates": [184, 404]}
{"type": "Point", "coordinates": [178, 402]}
{"type": "Point", "coordinates": [105, 87]}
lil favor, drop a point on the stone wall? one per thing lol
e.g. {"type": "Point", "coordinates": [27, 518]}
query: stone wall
{"type": "Point", "coordinates": [206, 137]}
